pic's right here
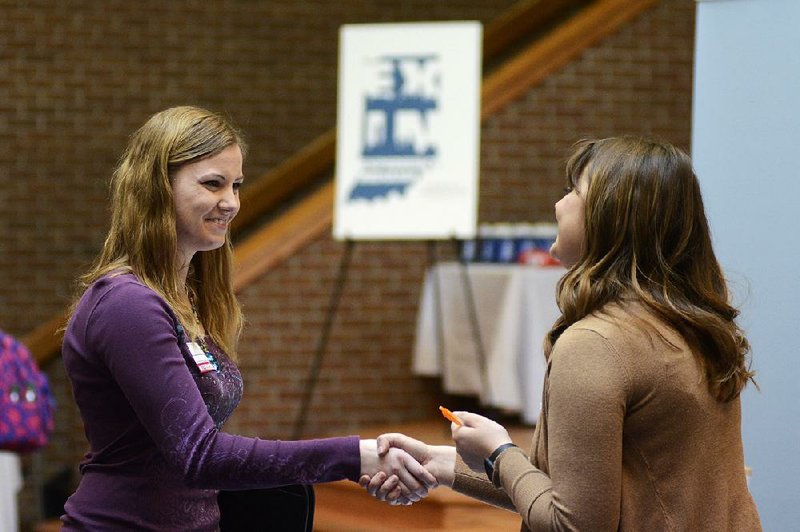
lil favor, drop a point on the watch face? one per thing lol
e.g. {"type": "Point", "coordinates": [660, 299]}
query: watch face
{"type": "Point", "coordinates": [488, 463]}
{"type": "Point", "coordinates": [489, 466]}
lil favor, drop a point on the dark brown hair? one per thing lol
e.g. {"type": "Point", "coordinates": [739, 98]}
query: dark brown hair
{"type": "Point", "coordinates": [648, 240]}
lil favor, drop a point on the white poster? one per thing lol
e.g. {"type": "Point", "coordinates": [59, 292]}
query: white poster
{"type": "Point", "coordinates": [408, 134]}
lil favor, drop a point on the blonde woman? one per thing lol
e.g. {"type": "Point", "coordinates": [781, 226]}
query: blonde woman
{"type": "Point", "coordinates": [150, 348]}
{"type": "Point", "coordinates": [640, 426]}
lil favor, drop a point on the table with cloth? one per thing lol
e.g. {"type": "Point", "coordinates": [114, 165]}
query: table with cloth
{"type": "Point", "coordinates": [10, 484]}
{"type": "Point", "coordinates": [515, 308]}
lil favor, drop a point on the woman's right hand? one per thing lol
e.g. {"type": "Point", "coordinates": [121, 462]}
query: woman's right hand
{"type": "Point", "coordinates": [438, 460]}
{"type": "Point", "coordinates": [477, 438]}
{"type": "Point", "coordinates": [409, 480]}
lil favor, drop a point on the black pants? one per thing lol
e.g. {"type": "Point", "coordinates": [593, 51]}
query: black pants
{"type": "Point", "coordinates": [289, 508]}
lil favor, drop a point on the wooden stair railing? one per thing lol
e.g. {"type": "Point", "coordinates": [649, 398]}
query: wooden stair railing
{"type": "Point", "coordinates": [312, 217]}
{"type": "Point", "coordinates": [283, 236]}
{"type": "Point", "coordinates": [44, 342]}
{"type": "Point", "coordinates": [298, 171]}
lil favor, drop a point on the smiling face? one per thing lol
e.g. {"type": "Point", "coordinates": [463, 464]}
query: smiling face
{"type": "Point", "coordinates": [571, 237]}
{"type": "Point", "coordinates": [206, 195]}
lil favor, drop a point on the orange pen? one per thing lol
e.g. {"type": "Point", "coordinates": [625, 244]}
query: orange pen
{"type": "Point", "coordinates": [451, 416]}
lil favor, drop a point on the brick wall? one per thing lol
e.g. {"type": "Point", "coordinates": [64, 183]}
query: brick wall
{"type": "Point", "coordinates": [76, 79]}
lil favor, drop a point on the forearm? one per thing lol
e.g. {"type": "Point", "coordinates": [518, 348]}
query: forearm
{"type": "Point", "coordinates": [236, 462]}
{"type": "Point", "coordinates": [478, 486]}
{"type": "Point", "coordinates": [443, 464]}
{"type": "Point", "coordinates": [528, 489]}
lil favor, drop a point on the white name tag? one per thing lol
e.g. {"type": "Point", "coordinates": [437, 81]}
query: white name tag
{"type": "Point", "coordinates": [200, 358]}
{"type": "Point", "coordinates": [195, 349]}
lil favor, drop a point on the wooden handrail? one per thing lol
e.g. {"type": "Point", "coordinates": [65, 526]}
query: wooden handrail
{"type": "Point", "coordinates": [44, 342]}
{"type": "Point", "coordinates": [312, 217]}
{"type": "Point", "coordinates": [520, 20]}
{"type": "Point", "coordinates": [298, 171]}
{"type": "Point", "coordinates": [283, 236]}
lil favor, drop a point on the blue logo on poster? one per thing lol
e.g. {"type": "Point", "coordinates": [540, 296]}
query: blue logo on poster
{"type": "Point", "coordinates": [396, 133]}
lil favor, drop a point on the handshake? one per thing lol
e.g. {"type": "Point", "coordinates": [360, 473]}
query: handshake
{"type": "Point", "coordinates": [401, 470]}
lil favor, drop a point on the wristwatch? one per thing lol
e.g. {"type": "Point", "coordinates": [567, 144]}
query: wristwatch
{"type": "Point", "coordinates": [488, 463]}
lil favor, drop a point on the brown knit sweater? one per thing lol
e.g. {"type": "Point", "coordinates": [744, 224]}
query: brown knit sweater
{"type": "Point", "coordinates": [629, 438]}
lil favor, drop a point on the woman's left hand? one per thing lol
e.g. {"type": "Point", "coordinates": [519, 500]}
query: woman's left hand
{"type": "Point", "coordinates": [414, 479]}
{"type": "Point", "coordinates": [477, 438]}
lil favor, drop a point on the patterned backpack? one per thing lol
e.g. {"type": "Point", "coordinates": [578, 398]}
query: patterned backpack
{"type": "Point", "coordinates": [26, 404]}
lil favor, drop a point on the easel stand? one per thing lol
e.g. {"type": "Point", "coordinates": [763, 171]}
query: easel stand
{"type": "Point", "coordinates": [475, 327]}
{"type": "Point", "coordinates": [333, 307]}
{"type": "Point", "coordinates": [433, 259]}
{"type": "Point", "coordinates": [322, 344]}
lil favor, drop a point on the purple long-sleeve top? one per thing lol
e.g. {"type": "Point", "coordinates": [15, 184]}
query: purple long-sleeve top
{"type": "Point", "coordinates": [157, 456]}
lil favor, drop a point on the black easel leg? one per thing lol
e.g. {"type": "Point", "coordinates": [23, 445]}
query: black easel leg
{"type": "Point", "coordinates": [472, 314]}
{"type": "Point", "coordinates": [322, 344]}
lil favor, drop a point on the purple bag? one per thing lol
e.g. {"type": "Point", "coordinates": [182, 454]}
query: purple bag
{"type": "Point", "coordinates": [26, 404]}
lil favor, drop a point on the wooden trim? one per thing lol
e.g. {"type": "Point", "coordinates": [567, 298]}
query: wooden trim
{"type": "Point", "coordinates": [300, 170]}
{"type": "Point", "coordinates": [521, 19]}
{"type": "Point", "coordinates": [506, 84]}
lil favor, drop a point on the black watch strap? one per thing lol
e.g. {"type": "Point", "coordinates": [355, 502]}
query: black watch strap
{"type": "Point", "coordinates": [488, 463]}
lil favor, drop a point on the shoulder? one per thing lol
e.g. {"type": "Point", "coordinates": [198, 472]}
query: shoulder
{"type": "Point", "coordinates": [609, 322]}
{"type": "Point", "coordinates": [608, 340]}
{"type": "Point", "coordinates": [587, 363]}
{"type": "Point", "coordinates": [592, 331]}
{"type": "Point", "coordinates": [628, 336]}
{"type": "Point", "coordinates": [625, 325]}
{"type": "Point", "coordinates": [118, 312]}
{"type": "Point", "coordinates": [122, 299]}
{"type": "Point", "coordinates": [125, 287]}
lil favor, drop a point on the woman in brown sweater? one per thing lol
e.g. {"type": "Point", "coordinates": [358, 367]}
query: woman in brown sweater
{"type": "Point", "coordinates": [641, 421]}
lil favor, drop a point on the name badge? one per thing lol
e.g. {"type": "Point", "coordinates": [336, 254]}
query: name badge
{"type": "Point", "coordinates": [200, 358]}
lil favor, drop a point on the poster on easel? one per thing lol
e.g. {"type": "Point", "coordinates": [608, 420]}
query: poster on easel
{"type": "Point", "coordinates": [408, 131]}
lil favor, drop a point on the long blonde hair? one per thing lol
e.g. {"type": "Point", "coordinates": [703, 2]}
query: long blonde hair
{"type": "Point", "coordinates": [142, 238]}
{"type": "Point", "coordinates": [648, 240]}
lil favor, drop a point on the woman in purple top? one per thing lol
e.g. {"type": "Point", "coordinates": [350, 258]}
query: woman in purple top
{"type": "Point", "coordinates": [151, 344]}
